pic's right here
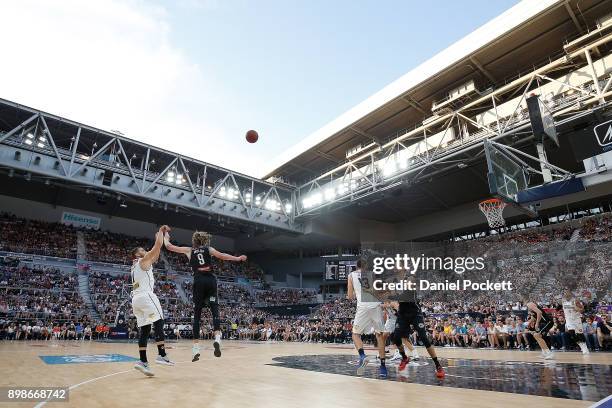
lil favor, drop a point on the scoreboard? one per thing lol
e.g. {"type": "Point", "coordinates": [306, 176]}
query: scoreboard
{"type": "Point", "coordinates": [339, 270]}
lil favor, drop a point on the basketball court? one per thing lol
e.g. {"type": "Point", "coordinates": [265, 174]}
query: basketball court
{"type": "Point", "coordinates": [301, 375]}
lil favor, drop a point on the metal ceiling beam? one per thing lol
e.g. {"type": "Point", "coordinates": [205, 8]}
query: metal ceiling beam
{"type": "Point", "coordinates": [302, 168]}
{"type": "Point", "coordinates": [328, 156]}
{"type": "Point", "coordinates": [482, 69]}
{"type": "Point", "coordinates": [415, 104]}
{"type": "Point", "coordinates": [573, 16]}
{"type": "Point", "coordinates": [366, 134]}
{"type": "Point", "coordinates": [75, 163]}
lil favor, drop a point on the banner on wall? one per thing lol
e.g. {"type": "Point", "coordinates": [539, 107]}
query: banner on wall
{"type": "Point", "coordinates": [80, 220]}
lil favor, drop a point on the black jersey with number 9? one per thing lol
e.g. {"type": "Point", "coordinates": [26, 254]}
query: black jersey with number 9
{"type": "Point", "coordinates": [201, 261]}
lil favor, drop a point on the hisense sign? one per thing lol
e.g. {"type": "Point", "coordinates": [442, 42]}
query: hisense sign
{"type": "Point", "coordinates": [80, 220]}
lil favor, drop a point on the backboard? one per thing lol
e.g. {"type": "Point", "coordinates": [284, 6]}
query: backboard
{"type": "Point", "coordinates": [507, 174]}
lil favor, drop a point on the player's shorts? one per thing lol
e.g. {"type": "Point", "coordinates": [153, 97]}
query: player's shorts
{"type": "Point", "coordinates": [204, 289]}
{"type": "Point", "coordinates": [407, 323]}
{"type": "Point", "coordinates": [545, 326]}
{"type": "Point", "coordinates": [390, 324]}
{"type": "Point", "coordinates": [146, 308]}
{"type": "Point", "coordinates": [368, 318]}
{"type": "Point", "coordinates": [573, 323]}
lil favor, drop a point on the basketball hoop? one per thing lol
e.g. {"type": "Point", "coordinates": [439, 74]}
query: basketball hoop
{"type": "Point", "coordinates": [493, 209]}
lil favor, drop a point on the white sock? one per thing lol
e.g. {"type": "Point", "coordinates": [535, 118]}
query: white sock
{"type": "Point", "coordinates": [196, 348]}
{"type": "Point", "coordinates": [218, 337]}
{"type": "Point", "coordinates": [583, 347]}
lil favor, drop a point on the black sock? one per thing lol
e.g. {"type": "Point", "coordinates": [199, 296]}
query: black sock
{"type": "Point", "coordinates": [436, 362]}
{"type": "Point", "coordinates": [360, 351]}
{"type": "Point", "coordinates": [403, 353]}
{"type": "Point", "coordinates": [161, 350]}
{"type": "Point", "coordinates": [143, 356]}
{"type": "Point", "coordinates": [382, 362]}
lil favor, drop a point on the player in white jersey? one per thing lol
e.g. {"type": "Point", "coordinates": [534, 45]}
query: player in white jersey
{"type": "Point", "coordinates": [145, 304]}
{"type": "Point", "coordinates": [368, 316]}
{"type": "Point", "coordinates": [572, 309]}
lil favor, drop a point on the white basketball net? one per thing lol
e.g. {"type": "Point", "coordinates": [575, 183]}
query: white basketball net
{"type": "Point", "coordinates": [493, 209]}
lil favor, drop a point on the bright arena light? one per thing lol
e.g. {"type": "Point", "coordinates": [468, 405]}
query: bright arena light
{"type": "Point", "coordinates": [388, 166]}
{"type": "Point", "coordinates": [175, 178]}
{"type": "Point", "coordinates": [272, 205]}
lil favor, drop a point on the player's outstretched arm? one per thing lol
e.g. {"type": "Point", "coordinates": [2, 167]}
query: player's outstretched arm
{"type": "Point", "coordinates": [174, 248]}
{"type": "Point", "coordinates": [151, 257]}
{"type": "Point", "coordinates": [226, 257]}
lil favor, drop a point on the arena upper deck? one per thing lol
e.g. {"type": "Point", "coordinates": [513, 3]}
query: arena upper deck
{"type": "Point", "coordinates": [525, 36]}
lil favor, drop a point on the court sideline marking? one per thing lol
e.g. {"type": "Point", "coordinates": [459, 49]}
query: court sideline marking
{"type": "Point", "coordinates": [72, 387]}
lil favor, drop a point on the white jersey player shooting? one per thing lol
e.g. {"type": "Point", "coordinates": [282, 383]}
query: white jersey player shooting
{"type": "Point", "coordinates": [145, 304]}
{"type": "Point", "coordinates": [368, 316]}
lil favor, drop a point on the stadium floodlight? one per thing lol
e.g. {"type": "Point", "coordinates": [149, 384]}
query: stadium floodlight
{"type": "Point", "coordinates": [222, 192]}
{"type": "Point", "coordinates": [42, 139]}
{"type": "Point", "coordinates": [248, 195]}
{"type": "Point", "coordinates": [232, 194]}
{"type": "Point", "coordinates": [272, 205]}
{"type": "Point", "coordinates": [388, 166]}
{"type": "Point", "coordinates": [30, 135]}
{"type": "Point", "coordinates": [288, 206]}
{"type": "Point", "coordinates": [317, 198]}
{"type": "Point", "coordinates": [330, 194]}
{"type": "Point", "coordinates": [257, 200]}
{"type": "Point", "coordinates": [29, 142]}
{"type": "Point", "coordinates": [41, 145]}
{"type": "Point", "coordinates": [343, 188]}
{"type": "Point", "coordinates": [402, 158]}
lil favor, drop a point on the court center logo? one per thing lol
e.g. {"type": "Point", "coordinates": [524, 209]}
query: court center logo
{"type": "Point", "coordinates": [603, 133]}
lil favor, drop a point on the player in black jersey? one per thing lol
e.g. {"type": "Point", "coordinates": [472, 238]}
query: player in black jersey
{"type": "Point", "coordinates": [204, 284]}
{"type": "Point", "coordinates": [542, 323]}
{"type": "Point", "coordinates": [409, 314]}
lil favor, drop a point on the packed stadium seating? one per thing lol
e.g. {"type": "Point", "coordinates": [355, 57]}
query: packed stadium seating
{"type": "Point", "coordinates": [36, 237]}
{"type": "Point", "coordinates": [44, 302]}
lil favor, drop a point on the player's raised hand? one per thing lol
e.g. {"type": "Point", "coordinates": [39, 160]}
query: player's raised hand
{"type": "Point", "coordinates": [242, 258]}
{"type": "Point", "coordinates": [164, 229]}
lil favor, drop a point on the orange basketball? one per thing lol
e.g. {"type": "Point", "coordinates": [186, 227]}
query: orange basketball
{"type": "Point", "coordinates": [252, 136]}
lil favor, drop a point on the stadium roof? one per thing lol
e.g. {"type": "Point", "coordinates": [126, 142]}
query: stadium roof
{"type": "Point", "coordinates": [524, 36]}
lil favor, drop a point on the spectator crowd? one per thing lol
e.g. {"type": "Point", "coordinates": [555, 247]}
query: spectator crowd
{"type": "Point", "coordinates": [42, 302]}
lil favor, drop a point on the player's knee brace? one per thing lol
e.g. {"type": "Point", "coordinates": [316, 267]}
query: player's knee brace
{"type": "Point", "coordinates": [144, 335]}
{"type": "Point", "coordinates": [158, 327]}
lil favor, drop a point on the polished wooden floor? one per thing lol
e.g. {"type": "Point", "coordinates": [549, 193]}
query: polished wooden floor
{"type": "Point", "coordinates": [245, 376]}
